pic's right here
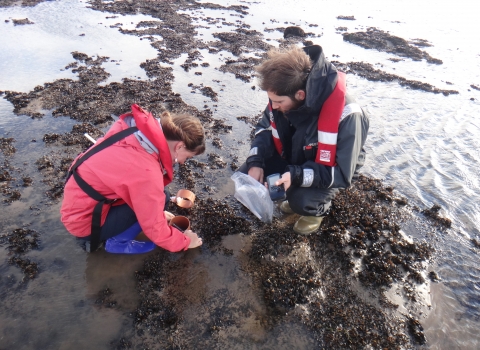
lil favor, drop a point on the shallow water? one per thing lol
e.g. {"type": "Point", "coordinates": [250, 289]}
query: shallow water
{"type": "Point", "coordinates": [425, 145]}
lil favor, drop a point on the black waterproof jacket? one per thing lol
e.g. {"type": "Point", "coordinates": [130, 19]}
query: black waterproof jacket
{"type": "Point", "coordinates": [299, 128]}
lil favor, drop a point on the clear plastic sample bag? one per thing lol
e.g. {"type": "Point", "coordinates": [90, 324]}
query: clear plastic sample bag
{"type": "Point", "coordinates": [253, 195]}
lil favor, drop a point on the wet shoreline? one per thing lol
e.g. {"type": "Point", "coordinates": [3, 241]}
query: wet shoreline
{"type": "Point", "coordinates": [317, 284]}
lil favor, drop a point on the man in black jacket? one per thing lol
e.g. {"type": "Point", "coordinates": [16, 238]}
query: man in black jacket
{"type": "Point", "coordinates": [312, 131]}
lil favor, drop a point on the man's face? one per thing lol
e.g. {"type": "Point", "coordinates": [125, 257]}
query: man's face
{"type": "Point", "coordinates": [283, 103]}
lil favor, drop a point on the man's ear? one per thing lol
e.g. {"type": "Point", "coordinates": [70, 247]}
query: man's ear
{"type": "Point", "coordinates": [300, 95]}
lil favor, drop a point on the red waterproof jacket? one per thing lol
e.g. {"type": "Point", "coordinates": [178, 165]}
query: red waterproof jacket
{"type": "Point", "coordinates": [128, 172]}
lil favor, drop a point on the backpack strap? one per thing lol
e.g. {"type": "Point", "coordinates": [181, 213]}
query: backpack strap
{"type": "Point", "coordinates": [102, 200]}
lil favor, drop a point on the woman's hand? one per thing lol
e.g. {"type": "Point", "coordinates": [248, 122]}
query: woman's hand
{"type": "Point", "coordinates": [169, 216]}
{"type": "Point", "coordinates": [286, 180]}
{"type": "Point", "coordinates": [195, 241]}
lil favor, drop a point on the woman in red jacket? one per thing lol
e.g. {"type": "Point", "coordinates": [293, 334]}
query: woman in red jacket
{"type": "Point", "coordinates": [117, 187]}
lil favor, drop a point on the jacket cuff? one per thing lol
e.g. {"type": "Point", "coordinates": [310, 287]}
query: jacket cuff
{"type": "Point", "coordinates": [188, 243]}
{"type": "Point", "coordinates": [296, 175]}
{"type": "Point", "coordinates": [308, 176]}
{"type": "Point", "coordinates": [254, 164]}
{"type": "Point", "coordinates": [254, 161]}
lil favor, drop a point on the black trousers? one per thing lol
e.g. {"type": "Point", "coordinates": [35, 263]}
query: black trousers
{"type": "Point", "coordinates": [305, 201]}
{"type": "Point", "coordinates": [120, 218]}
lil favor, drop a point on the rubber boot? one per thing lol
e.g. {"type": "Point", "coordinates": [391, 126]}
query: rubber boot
{"type": "Point", "coordinates": [307, 224]}
{"type": "Point", "coordinates": [285, 207]}
{"type": "Point", "coordinates": [128, 247]}
{"type": "Point", "coordinates": [124, 242]}
{"type": "Point", "coordinates": [129, 234]}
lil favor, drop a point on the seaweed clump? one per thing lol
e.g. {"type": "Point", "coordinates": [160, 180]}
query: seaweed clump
{"type": "Point", "coordinates": [18, 242]}
{"type": "Point", "coordinates": [377, 39]}
{"type": "Point", "coordinates": [367, 71]}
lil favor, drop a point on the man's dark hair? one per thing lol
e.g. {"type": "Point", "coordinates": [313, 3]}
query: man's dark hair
{"type": "Point", "coordinates": [284, 72]}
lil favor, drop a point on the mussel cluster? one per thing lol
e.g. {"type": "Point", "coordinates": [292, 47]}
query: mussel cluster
{"type": "Point", "coordinates": [8, 180]}
{"type": "Point", "coordinates": [240, 41]}
{"type": "Point", "coordinates": [28, 267]}
{"type": "Point", "coordinates": [288, 284]}
{"type": "Point", "coordinates": [18, 242]}
{"type": "Point", "coordinates": [6, 146]}
{"type": "Point", "coordinates": [359, 221]}
{"type": "Point", "coordinates": [213, 219]}
{"type": "Point", "coordinates": [359, 240]}
{"type": "Point", "coordinates": [379, 40]}
{"type": "Point", "coordinates": [368, 71]}
{"type": "Point", "coordinates": [106, 298]}
{"type": "Point", "coordinates": [433, 214]}
{"type": "Point", "coordinates": [21, 240]}
{"type": "Point", "coordinates": [242, 68]}
{"type": "Point", "coordinates": [273, 241]}
{"type": "Point", "coordinates": [344, 321]}
{"type": "Point", "coordinates": [216, 161]}
{"type": "Point", "coordinates": [54, 169]}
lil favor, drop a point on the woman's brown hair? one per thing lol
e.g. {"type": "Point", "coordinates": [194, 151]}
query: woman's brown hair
{"type": "Point", "coordinates": [186, 128]}
{"type": "Point", "coordinates": [284, 72]}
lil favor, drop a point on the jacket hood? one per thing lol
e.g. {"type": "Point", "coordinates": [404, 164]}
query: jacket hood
{"type": "Point", "coordinates": [147, 125]}
{"type": "Point", "coordinates": [321, 81]}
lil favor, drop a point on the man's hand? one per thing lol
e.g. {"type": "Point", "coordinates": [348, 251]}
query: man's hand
{"type": "Point", "coordinates": [285, 180]}
{"type": "Point", "coordinates": [195, 241]}
{"type": "Point", "coordinates": [256, 173]}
